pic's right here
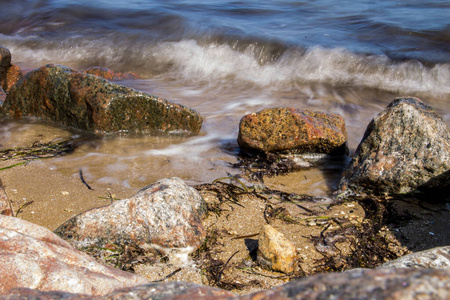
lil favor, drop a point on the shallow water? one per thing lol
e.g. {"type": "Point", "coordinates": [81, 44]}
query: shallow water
{"type": "Point", "coordinates": [229, 58]}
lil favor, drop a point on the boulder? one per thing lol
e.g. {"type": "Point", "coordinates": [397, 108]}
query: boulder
{"type": "Point", "coordinates": [34, 257]}
{"type": "Point", "coordinates": [436, 258]}
{"type": "Point", "coordinates": [2, 98]}
{"type": "Point", "coordinates": [404, 147]}
{"type": "Point", "coordinates": [110, 74]}
{"type": "Point", "coordinates": [292, 130]}
{"type": "Point", "coordinates": [165, 216]}
{"type": "Point", "coordinates": [13, 75]}
{"type": "Point", "coordinates": [394, 284]}
{"type": "Point", "coordinates": [275, 251]}
{"type": "Point", "coordinates": [70, 98]}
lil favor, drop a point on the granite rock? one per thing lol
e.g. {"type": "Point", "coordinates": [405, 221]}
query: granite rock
{"type": "Point", "coordinates": [164, 216]}
{"type": "Point", "coordinates": [404, 147]}
{"type": "Point", "coordinates": [9, 74]}
{"type": "Point", "coordinates": [436, 258]}
{"type": "Point", "coordinates": [34, 257]}
{"type": "Point", "coordinates": [292, 130]}
{"type": "Point", "coordinates": [275, 251]}
{"type": "Point", "coordinates": [67, 97]}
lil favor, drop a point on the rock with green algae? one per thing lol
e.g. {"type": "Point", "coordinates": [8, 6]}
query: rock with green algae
{"type": "Point", "coordinates": [71, 98]}
{"type": "Point", "coordinates": [406, 148]}
{"type": "Point", "coordinates": [290, 129]}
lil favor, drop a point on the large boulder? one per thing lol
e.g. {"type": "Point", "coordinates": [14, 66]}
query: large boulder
{"type": "Point", "coordinates": [436, 258]}
{"type": "Point", "coordinates": [34, 257]}
{"type": "Point", "coordinates": [292, 130]}
{"type": "Point", "coordinates": [71, 98]}
{"type": "Point", "coordinates": [110, 74]}
{"type": "Point", "coordinates": [165, 215]}
{"type": "Point", "coordinates": [404, 147]}
{"type": "Point", "coordinates": [395, 284]}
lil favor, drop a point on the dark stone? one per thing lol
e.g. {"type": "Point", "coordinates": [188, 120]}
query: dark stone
{"type": "Point", "coordinates": [403, 148]}
{"type": "Point", "coordinates": [68, 97]}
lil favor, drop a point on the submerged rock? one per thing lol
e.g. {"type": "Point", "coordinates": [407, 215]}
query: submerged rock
{"type": "Point", "coordinates": [436, 258]}
{"type": "Point", "coordinates": [67, 97]}
{"type": "Point", "coordinates": [275, 251]}
{"type": "Point", "coordinates": [165, 216]}
{"type": "Point", "coordinates": [289, 130]}
{"type": "Point", "coordinates": [403, 148]}
{"type": "Point", "coordinates": [34, 257]}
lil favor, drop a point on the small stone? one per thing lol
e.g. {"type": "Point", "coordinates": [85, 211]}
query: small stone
{"type": "Point", "coordinates": [275, 251]}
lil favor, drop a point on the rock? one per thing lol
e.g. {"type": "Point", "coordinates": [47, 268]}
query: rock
{"type": "Point", "coordinates": [436, 258]}
{"type": "Point", "coordinates": [403, 148]}
{"type": "Point", "coordinates": [110, 74]}
{"type": "Point", "coordinates": [275, 251]}
{"type": "Point", "coordinates": [2, 97]}
{"type": "Point", "coordinates": [33, 257]}
{"type": "Point", "coordinates": [394, 284]}
{"type": "Point", "coordinates": [292, 130]}
{"type": "Point", "coordinates": [172, 290]}
{"type": "Point", "coordinates": [9, 74]}
{"type": "Point", "coordinates": [13, 75]}
{"type": "Point", "coordinates": [5, 204]}
{"type": "Point", "coordinates": [65, 96]}
{"type": "Point", "coordinates": [165, 216]}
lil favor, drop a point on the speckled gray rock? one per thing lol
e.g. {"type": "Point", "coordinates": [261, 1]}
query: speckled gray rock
{"type": "Point", "coordinates": [436, 258]}
{"type": "Point", "coordinates": [404, 147]}
{"type": "Point", "coordinates": [166, 214]}
{"type": "Point", "coordinates": [71, 98]}
{"type": "Point", "coordinates": [394, 284]}
{"type": "Point", "coordinates": [34, 257]}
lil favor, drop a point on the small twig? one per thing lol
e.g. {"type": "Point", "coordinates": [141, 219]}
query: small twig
{"type": "Point", "coordinates": [23, 206]}
{"type": "Point", "coordinates": [224, 266]}
{"type": "Point", "coordinates": [322, 236]}
{"type": "Point", "coordinates": [168, 276]}
{"type": "Point", "coordinates": [83, 181]}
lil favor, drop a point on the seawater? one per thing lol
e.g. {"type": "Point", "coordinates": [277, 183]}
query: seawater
{"type": "Point", "coordinates": [229, 58]}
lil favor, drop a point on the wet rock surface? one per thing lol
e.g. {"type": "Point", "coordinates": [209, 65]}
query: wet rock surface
{"type": "Point", "coordinates": [70, 98]}
{"type": "Point", "coordinates": [403, 148]}
{"type": "Point", "coordinates": [436, 258]}
{"type": "Point", "coordinates": [292, 130]}
{"type": "Point", "coordinates": [33, 257]}
{"type": "Point", "coordinates": [162, 217]}
{"type": "Point", "coordinates": [9, 74]}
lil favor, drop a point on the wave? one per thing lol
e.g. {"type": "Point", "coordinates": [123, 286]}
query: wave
{"type": "Point", "coordinates": [262, 64]}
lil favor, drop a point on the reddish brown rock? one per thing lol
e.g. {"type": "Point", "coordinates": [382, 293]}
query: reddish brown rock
{"type": "Point", "coordinates": [110, 74]}
{"type": "Point", "coordinates": [404, 148]}
{"type": "Point", "coordinates": [166, 214]}
{"type": "Point", "coordinates": [33, 257]}
{"type": "Point", "coordinates": [2, 98]}
{"type": "Point", "coordinates": [275, 251]}
{"type": "Point", "coordinates": [68, 97]}
{"type": "Point", "coordinates": [13, 75]}
{"type": "Point", "coordinates": [292, 130]}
